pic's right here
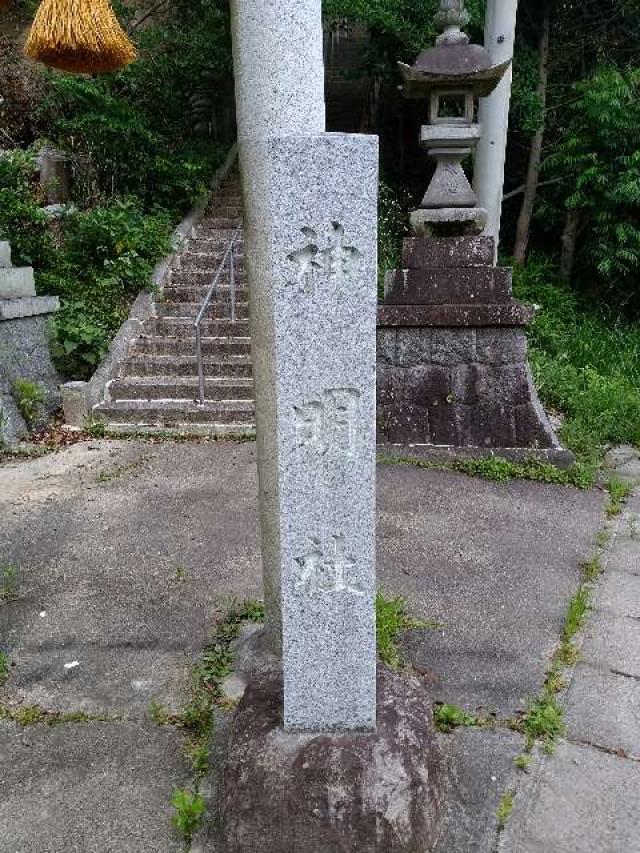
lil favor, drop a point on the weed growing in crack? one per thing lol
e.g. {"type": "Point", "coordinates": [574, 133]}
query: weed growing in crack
{"type": "Point", "coordinates": [8, 584]}
{"type": "Point", "coordinates": [505, 809]}
{"type": "Point", "coordinates": [189, 810]}
{"type": "Point", "coordinates": [577, 611]}
{"type": "Point", "coordinates": [450, 717]}
{"type": "Point", "coordinates": [197, 716]}
{"type": "Point", "coordinates": [522, 762]}
{"type": "Point", "coordinates": [159, 714]}
{"type": "Point", "coordinates": [33, 715]}
{"type": "Point", "coordinates": [392, 618]}
{"type": "Point", "coordinates": [501, 470]}
{"type": "Point", "coordinates": [619, 492]}
{"type": "Point", "coordinates": [543, 721]}
{"type": "Point", "coordinates": [592, 569]}
{"type": "Point", "coordinates": [4, 668]}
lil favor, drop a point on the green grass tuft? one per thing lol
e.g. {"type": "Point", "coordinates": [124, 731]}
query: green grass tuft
{"type": "Point", "coordinates": [619, 492]}
{"type": "Point", "coordinates": [4, 668]}
{"type": "Point", "coordinates": [449, 717]}
{"type": "Point", "coordinates": [505, 809]}
{"type": "Point", "coordinates": [392, 619]}
{"type": "Point", "coordinates": [543, 720]}
{"type": "Point", "coordinates": [577, 611]}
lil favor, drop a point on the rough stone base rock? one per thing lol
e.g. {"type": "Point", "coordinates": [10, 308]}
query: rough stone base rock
{"type": "Point", "coordinates": [377, 792]}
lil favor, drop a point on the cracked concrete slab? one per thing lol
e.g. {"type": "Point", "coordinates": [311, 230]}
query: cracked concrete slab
{"type": "Point", "coordinates": [583, 801]}
{"type": "Point", "coordinates": [89, 788]}
{"type": "Point", "coordinates": [495, 564]}
{"type": "Point", "coordinates": [125, 570]}
{"type": "Point", "coordinates": [603, 709]}
{"type": "Point", "coordinates": [480, 767]}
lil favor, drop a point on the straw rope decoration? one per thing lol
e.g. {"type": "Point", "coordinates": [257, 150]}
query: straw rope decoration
{"type": "Point", "coordinates": [82, 36]}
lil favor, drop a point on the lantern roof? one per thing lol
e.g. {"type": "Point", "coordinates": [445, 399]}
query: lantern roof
{"type": "Point", "coordinates": [452, 66]}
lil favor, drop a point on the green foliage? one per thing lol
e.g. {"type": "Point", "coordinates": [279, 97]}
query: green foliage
{"type": "Point", "coordinates": [577, 611]}
{"type": "Point", "coordinates": [450, 717]}
{"type": "Point", "coordinates": [619, 491]}
{"type": "Point", "coordinates": [189, 810]}
{"type": "Point", "coordinates": [502, 470]}
{"type": "Point", "coordinates": [8, 584]}
{"type": "Point", "coordinates": [393, 226]}
{"type": "Point", "coordinates": [543, 720]}
{"type": "Point", "coordinates": [4, 668]}
{"type": "Point", "coordinates": [22, 220]}
{"type": "Point", "coordinates": [29, 399]}
{"type": "Point", "coordinates": [586, 363]}
{"type": "Point", "coordinates": [400, 29]}
{"type": "Point", "coordinates": [391, 619]}
{"type": "Point", "coordinates": [599, 158]}
{"type": "Point", "coordinates": [505, 809]}
{"type": "Point", "coordinates": [133, 133]}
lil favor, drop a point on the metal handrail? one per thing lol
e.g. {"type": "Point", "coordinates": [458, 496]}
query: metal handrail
{"type": "Point", "coordinates": [211, 293]}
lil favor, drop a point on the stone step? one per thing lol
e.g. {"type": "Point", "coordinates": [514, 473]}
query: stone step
{"type": "Point", "coordinates": [194, 293]}
{"type": "Point", "coordinates": [204, 277]}
{"type": "Point", "coordinates": [234, 367]}
{"type": "Point", "coordinates": [231, 199]}
{"type": "Point", "coordinates": [227, 224]}
{"type": "Point", "coordinates": [219, 309]}
{"type": "Point", "coordinates": [222, 389]}
{"type": "Point", "coordinates": [214, 243]}
{"type": "Point", "coordinates": [223, 208]}
{"type": "Point", "coordinates": [155, 345]}
{"type": "Point", "coordinates": [172, 413]}
{"type": "Point", "coordinates": [207, 260]}
{"type": "Point", "coordinates": [184, 327]}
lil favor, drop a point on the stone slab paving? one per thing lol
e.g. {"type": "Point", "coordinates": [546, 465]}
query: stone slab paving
{"type": "Point", "coordinates": [495, 565]}
{"type": "Point", "coordinates": [479, 769]}
{"type": "Point", "coordinates": [584, 801]}
{"type": "Point", "coordinates": [587, 797]}
{"type": "Point", "coordinates": [88, 788]}
{"type": "Point", "coordinates": [127, 552]}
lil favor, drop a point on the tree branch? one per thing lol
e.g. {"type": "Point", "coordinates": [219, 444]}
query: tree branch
{"type": "Point", "coordinates": [519, 190]}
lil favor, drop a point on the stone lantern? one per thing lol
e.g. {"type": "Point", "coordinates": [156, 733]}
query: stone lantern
{"type": "Point", "coordinates": [451, 76]}
{"type": "Point", "coordinates": [453, 376]}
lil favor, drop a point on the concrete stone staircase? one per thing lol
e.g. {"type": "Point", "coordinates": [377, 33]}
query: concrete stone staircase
{"type": "Point", "coordinates": [156, 387]}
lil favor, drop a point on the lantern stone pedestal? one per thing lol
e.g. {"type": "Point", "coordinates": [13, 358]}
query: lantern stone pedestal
{"type": "Point", "coordinates": [24, 348]}
{"type": "Point", "coordinates": [452, 357]}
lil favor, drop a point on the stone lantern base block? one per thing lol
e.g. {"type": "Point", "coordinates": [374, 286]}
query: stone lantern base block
{"type": "Point", "coordinates": [449, 222]}
{"type": "Point", "coordinates": [376, 792]}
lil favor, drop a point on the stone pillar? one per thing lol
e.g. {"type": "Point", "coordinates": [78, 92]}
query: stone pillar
{"type": "Point", "coordinates": [310, 216]}
{"type": "Point", "coordinates": [279, 85]}
{"type": "Point", "coordinates": [493, 115]}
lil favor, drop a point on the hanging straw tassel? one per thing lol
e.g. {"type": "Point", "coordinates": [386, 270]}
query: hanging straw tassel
{"type": "Point", "coordinates": [83, 36]}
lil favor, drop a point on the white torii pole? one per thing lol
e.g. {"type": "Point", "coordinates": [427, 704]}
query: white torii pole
{"type": "Point", "coordinates": [500, 28]}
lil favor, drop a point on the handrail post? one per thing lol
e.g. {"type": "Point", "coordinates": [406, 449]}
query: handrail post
{"type": "Point", "coordinates": [232, 284]}
{"type": "Point", "coordinates": [200, 365]}
{"type": "Point", "coordinates": [212, 293]}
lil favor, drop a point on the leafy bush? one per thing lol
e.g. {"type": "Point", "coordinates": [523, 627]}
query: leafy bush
{"type": "Point", "coordinates": [97, 262]}
{"type": "Point", "coordinates": [599, 158]}
{"type": "Point", "coordinates": [29, 399]}
{"type": "Point", "coordinates": [109, 254]}
{"type": "Point", "coordinates": [22, 219]}
{"type": "Point", "coordinates": [586, 363]}
{"type": "Point", "coordinates": [393, 226]}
